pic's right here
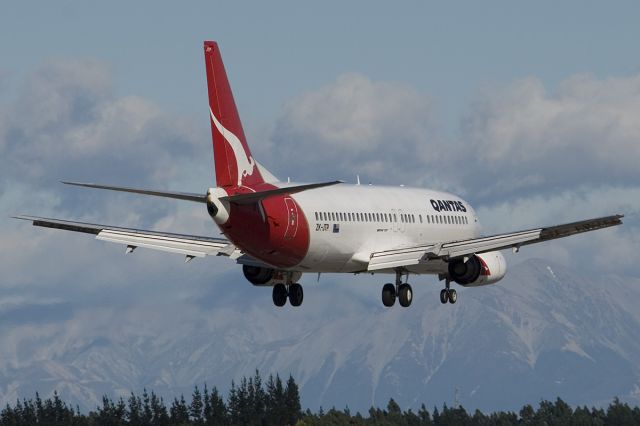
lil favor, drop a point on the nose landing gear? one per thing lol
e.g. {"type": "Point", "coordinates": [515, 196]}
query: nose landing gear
{"type": "Point", "coordinates": [448, 294]}
{"type": "Point", "coordinates": [400, 290]}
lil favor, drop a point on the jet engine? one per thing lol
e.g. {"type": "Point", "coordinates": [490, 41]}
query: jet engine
{"type": "Point", "coordinates": [261, 276]}
{"type": "Point", "coordinates": [478, 269]}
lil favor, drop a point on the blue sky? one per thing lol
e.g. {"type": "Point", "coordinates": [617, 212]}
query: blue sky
{"type": "Point", "coordinates": [530, 111]}
{"type": "Point", "coordinates": [274, 51]}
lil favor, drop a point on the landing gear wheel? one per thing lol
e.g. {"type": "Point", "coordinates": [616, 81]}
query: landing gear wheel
{"type": "Point", "coordinates": [405, 295]}
{"type": "Point", "coordinates": [279, 295]}
{"type": "Point", "coordinates": [295, 294]}
{"type": "Point", "coordinates": [453, 296]}
{"type": "Point", "coordinates": [388, 295]}
{"type": "Point", "coordinates": [444, 296]}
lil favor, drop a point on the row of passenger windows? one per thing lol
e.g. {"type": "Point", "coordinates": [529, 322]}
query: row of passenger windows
{"type": "Point", "coordinates": [390, 217]}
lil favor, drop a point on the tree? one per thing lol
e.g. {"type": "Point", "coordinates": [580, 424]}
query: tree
{"type": "Point", "coordinates": [196, 408]}
{"type": "Point", "coordinates": [218, 411]}
{"type": "Point", "coordinates": [292, 402]}
{"type": "Point", "coordinates": [275, 402]}
{"type": "Point", "coordinates": [619, 414]}
{"type": "Point", "coordinates": [179, 412]}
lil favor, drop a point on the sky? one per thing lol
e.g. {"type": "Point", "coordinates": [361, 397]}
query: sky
{"type": "Point", "coordinates": [529, 111]}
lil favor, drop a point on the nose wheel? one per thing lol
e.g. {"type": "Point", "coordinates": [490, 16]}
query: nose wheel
{"type": "Point", "coordinates": [401, 291]}
{"type": "Point", "coordinates": [448, 295]}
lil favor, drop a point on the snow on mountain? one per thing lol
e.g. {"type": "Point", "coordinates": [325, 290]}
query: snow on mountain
{"type": "Point", "coordinates": [545, 331]}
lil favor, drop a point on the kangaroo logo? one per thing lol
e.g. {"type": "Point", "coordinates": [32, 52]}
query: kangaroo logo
{"type": "Point", "coordinates": [245, 164]}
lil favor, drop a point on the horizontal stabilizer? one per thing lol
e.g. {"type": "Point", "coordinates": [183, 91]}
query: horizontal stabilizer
{"type": "Point", "coordinates": [200, 198]}
{"type": "Point", "coordinates": [254, 197]}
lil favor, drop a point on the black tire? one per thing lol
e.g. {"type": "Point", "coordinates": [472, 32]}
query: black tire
{"type": "Point", "coordinates": [388, 295]}
{"type": "Point", "coordinates": [405, 295]}
{"type": "Point", "coordinates": [295, 294]}
{"type": "Point", "coordinates": [279, 295]}
{"type": "Point", "coordinates": [444, 297]}
{"type": "Point", "coordinates": [453, 296]}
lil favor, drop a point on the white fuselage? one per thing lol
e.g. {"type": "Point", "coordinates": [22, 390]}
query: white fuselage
{"type": "Point", "coordinates": [349, 222]}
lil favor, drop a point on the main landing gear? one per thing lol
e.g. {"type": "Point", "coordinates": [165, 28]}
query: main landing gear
{"type": "Point", "coordinates": [448, 294]}
{"type": "Point", "coordinates": [402, 291]}
{"type": "Point", "coordinates": [292, 291]}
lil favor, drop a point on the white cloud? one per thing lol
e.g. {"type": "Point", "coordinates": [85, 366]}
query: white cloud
{"type": "Point", "coordinates": [68, 123]}
{"type": "Point", "coordinates": [384, 131]}
{"type": "Point", "coordinates": [524, 139]}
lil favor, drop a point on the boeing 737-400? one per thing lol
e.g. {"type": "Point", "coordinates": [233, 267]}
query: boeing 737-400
{"type": "Point", "coordinates": [279, 230]}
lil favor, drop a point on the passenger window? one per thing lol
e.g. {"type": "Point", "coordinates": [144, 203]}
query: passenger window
{"type": "Point", "coordinates": [420, 218]}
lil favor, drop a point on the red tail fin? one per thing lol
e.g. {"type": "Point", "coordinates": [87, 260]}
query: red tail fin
{"type": "Point", "coordinates": [233, 161]}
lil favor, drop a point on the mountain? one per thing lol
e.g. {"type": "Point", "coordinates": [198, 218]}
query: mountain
{"type": "Point", "coordinates": [544, 331]}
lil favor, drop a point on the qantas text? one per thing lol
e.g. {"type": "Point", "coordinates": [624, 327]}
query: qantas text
{"type": "Point", "coordinates": [448, 206]}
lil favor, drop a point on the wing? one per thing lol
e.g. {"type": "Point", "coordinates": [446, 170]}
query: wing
{"type": "Point", "coordinates": [448, 250]}
{"type": "Point", "coordinates": [188, 245]}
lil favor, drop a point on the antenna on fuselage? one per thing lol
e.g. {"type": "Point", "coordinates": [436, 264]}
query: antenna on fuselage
{"type": "Point", "coordinates": [358, 179]}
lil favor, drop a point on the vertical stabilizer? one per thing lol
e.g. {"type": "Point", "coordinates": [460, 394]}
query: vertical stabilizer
{"type": "Point", "coordinates": [235, 166]}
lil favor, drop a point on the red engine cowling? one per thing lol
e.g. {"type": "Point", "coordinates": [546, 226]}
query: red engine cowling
{"type": "Point", "coordinates": [478, 270]}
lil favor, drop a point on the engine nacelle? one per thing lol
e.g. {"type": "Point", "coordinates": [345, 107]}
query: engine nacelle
{"type": "Point", "coordinates": [260, 276]}
{"type": "Point", "coordinates": [478, 270]}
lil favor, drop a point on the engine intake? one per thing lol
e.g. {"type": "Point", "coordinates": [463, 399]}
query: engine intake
{"type": "Point", "coordinates": [463, 272]}
{"type": "Point", "coordinates": [257, 275]}
{"type": "Point", "coordinates": [479, 269]}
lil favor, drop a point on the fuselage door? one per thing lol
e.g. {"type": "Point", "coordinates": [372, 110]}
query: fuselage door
{"type": "Point", "coordinates": [292, 219]}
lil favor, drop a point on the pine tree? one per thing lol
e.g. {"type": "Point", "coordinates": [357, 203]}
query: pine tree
{"type": "Point", "coordinates": [196, 407]}
{"type": "Point", "coordinates": [233, 407]}
{"type": "Point", "coordinates": [275, 407]}
{"type": "Point", "coordinates": [292, 402]}
{"type": "Point", "coordinates": [259, 400]}
{"type": "Point", "coordinates": [179, 412]}
{"type": "Point", "coordinates": [146, 413]}
{"type": "Point", "coordinates": [159, 411]}
{"type": "Point", "coordinates": [619, 414]}
{"type": "Point", "coordinates": [134, 413]}
{"type": "Point", "coordinates": [218, 415]}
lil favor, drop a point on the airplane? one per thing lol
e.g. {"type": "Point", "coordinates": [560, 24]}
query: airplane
{"type": "Point", "coordinates": [280, 230]}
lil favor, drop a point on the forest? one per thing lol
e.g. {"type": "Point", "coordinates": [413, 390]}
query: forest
{"type": "Point", "coordinates": [252, 402]}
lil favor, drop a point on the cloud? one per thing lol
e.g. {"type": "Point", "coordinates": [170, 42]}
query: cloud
{"type": "Point", "coordinates": [354, 125]}
{"type": "Point", "coordinates": [67, 121]}
{"type": "Point", "coordinates": [524, 139]}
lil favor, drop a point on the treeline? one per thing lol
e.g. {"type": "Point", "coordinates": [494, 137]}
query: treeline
{"type": "Point", "coordinates": [253, 403]}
